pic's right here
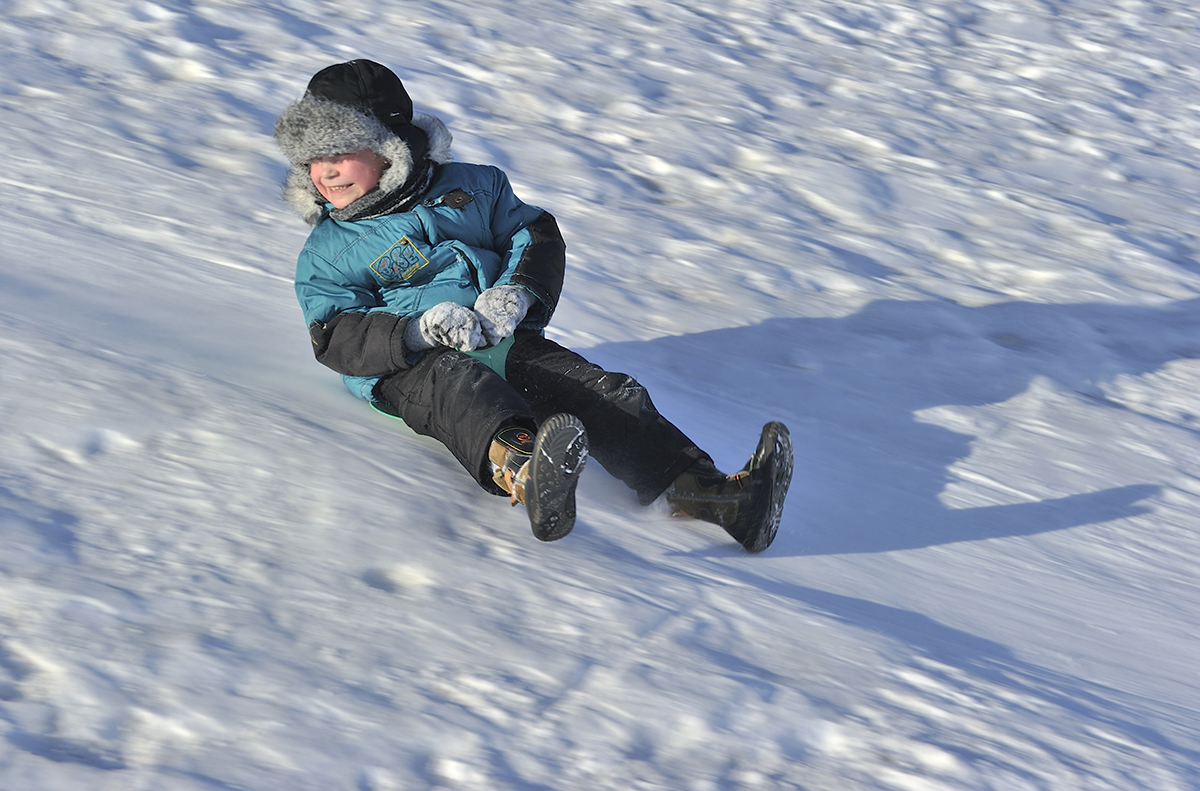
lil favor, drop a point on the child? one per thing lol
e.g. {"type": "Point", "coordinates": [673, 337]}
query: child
{"type": "Point", "coordinates": [427, 283]}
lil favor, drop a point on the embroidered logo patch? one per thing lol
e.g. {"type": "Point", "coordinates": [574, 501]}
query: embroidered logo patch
{"type": "Point", "coordinates": [400, 261]}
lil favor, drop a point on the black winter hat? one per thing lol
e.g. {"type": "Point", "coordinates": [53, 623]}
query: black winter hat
{"type": "Point", "coordinates": [367, 86]}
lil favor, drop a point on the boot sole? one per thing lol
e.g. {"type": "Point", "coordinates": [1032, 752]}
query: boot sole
{"type": "Point", "coordinates": [772, 462]}
{"type": "Point", "coordinates": [559, 453]}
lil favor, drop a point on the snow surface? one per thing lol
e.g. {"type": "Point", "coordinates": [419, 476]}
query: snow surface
{"type": "Point", "coordinates": [954, 244]}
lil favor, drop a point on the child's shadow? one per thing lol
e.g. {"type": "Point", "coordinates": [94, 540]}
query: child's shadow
{"type": "Point", "coordinates": [868, 473]}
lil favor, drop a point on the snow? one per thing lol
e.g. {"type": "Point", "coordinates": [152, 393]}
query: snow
{"type": "Point", "coordinates": [951, 243]}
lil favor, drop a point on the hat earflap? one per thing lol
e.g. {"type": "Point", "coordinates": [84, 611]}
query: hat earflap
{"type": "Point", "coordinates": [400, 164]}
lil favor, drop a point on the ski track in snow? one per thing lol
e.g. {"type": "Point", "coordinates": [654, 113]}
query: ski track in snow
{"type": "Point", "coordinates": [953, 245]}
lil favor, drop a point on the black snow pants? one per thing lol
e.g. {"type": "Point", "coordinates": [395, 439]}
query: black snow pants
{"type": "Point", "coordinates": [461, 402]}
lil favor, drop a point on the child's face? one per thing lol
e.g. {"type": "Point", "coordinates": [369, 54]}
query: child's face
{"type": "Point", "coordinates": [344, 178]}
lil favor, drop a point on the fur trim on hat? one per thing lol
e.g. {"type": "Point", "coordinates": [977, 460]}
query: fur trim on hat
{"type": "Point", "coordinates": [312, 127]}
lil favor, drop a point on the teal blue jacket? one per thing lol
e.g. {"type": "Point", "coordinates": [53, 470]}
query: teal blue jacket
{"type": "Point", "coordinates": [360, 282]}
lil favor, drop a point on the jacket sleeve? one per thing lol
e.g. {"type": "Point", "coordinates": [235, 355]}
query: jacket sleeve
{"type": "Point", "coordinates": [534, 253]}
{"type": "Point", "coordinates": [360, 344]}
{"type": "Point", "coordinates": [350, 331]}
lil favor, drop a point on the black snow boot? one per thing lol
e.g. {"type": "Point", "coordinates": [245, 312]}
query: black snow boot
{"type": "Point", "coordinates": [749, 503]}
{"type": "Point", "coordinates": [547, 474]}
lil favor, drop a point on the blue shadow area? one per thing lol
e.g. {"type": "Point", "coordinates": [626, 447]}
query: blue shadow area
{"type": "Point", "coordinates": [868, 472]}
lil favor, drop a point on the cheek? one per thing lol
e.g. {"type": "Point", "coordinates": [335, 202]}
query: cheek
{"type": "Point", "coordinates": [368, 177]}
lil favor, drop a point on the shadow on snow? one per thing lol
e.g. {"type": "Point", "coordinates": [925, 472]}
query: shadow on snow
{"type": "Point", "coordinates": [868, 472]}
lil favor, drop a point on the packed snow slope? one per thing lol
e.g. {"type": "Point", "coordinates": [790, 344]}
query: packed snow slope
{"type": "Point", "coordinates": [953, 244]}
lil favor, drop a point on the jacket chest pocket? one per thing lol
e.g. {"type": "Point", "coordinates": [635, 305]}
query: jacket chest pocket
{"type": "Point", "coordinates": [403, 262]}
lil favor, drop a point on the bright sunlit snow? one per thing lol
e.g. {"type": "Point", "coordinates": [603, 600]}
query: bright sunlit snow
{"type": "Point", "coordinates": [953, 244]}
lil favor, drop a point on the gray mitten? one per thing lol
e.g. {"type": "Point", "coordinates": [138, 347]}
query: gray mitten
{"type": "Point", "coordinates": [445, 324]}
{"type": "Point", "coordinates": [500, 310]}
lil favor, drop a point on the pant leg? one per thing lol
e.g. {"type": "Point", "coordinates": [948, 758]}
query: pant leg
{"type": "Point", "coordinates": [626, 434]}
{"type": "Point", "coordinates": [459, 401]}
